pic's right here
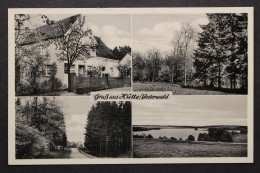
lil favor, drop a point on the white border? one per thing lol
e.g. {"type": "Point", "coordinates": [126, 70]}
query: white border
{"type": "Point", "coordinates": [11, 84]}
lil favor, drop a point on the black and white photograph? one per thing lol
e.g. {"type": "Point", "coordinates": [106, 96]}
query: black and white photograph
{"type": "Point", "coordinates": [68, 55]}
{"type": "Point", "coordinates": [191, 54]}
{"type": "Point", "coordinates": [130, 86]}
{"type": "Point", "coordinates": [191, 127]}
{"type": "Point", "coordinates": [72, 128]}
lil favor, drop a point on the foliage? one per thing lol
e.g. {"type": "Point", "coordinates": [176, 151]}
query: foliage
{"type": "Point", "coordinates": [120, 52]}
{"type": "Point", "coordinates": [173, 139]}
{"type": "Point", "coordinates": [216, 134]}
{"type": "Point", "coordinates": [40, 126]}
{"type": "Point", "coordinates": [191, 138]}
{"type": "Point", "coordinates": [108, 129]}
{"type": "Point", "coordinates": [222, 51]}
{"type": "Point", "coordinates": [29, 63]}
{"type": "Point", "coordinates": [124, 71]}
{"type": "Point", "coordinates": [72, 45]}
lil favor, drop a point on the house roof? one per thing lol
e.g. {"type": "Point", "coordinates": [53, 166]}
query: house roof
{"type": "Point", "coordinates": [49, 31]}
{"type": "Point", "coordinates": [54, 31]}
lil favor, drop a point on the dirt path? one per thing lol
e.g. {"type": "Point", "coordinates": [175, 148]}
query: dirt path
{"type": "Point", "coordinates": [76, 154]}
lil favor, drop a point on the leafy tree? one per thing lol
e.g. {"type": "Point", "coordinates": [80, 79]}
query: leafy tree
{"type": "Point", "coordinates": [40, 126]}
{"type": "Point", "coordinates": [72, 44]}
{"type": "Point", "coordinates": [191, 138]}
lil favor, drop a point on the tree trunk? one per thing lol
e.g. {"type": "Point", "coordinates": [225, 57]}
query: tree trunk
{"type": "Point", "coordinates": [231, 82]}
{"type": "Point", "coordinates": [69, 79]}
{"type": "Point", "coordinates": [219, 81]}
{"type": "Point", "coordinates": [234, 82]}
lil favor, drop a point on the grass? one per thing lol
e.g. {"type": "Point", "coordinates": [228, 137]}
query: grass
{"type": "Point", "coordinates": [239, 138]}
{"type": "Point", "coordinates": [176, 89]}
{"type": "Point", "coordinates": [152, 148]}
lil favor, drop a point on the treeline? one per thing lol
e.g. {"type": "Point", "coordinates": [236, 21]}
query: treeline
{"type": "Point", "coordinates": [39, 127]}
{"type": "Point", "coordinates": [174, 67]}
{"type": "Point", "coordinates": [136, 129]}
{"type": "Point", "coordinates": [108, 129]}
{"type": "Point", "coordinates": [222, 54]}
{"type": "Point", "coordinates": [121, 51]}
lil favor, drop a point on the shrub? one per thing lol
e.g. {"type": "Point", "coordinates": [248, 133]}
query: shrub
{"type": "Point", "coordinates": [191, 138]}
{"type": "Point", "coordinates": [173, 139]}
{"type": "Point", "coordinates": [150, 136]}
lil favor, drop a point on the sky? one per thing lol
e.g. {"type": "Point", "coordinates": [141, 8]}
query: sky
{"type": "Point", "coordinates": [192, 111]}
{"type": "Point", "coordinates": [157, 30]}
{"type": "Point", "coordinates": [114, 29]}
{"type": "Point", "coordinates": [76, 110]}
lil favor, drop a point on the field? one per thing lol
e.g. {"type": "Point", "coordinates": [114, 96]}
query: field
{"type": "Point", "coordinates": [176, 89]}
{"type": "Point", "coordinates": [152, 148]}
{"type": "Point", "coordinates": [239, 138]}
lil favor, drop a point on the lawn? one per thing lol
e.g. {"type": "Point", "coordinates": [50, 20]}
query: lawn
{"type": "Point", "coordinates": [152, 148]}
{"type": "Point", "coordinates": [176, 89]}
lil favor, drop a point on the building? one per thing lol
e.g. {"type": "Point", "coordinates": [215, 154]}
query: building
{"type": "Point", "coordinates": [99, 59]}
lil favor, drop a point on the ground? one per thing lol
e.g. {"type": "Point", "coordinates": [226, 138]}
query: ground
{"type": "Point", "coordinates": [152, 148]}
{"type": "Point", "coordinates": [73, 153]}
{"type": "Point", "coordinates": [176, 89]}
{"type": "Point", "coordinates": [66, 93]}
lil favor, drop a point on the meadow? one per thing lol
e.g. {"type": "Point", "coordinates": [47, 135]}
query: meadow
{"type": "Point", "coordinates": [154, 148]}
{"type": "Point", "coordinates": [175, 88]}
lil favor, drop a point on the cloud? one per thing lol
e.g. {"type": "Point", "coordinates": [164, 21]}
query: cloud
{"type": "Point", "coordinates": [164, 29]}
{"type": "Point", "coordinates": [111, 35]}
{"type": "Point", "coordinates": [75, 124]}
{"type": "Point", "coordinates": [200, 21]}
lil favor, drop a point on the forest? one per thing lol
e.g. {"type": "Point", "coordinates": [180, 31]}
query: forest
{"type": "Point", "coordinates": [215, 57]}
{"type": "Point", "coordinates": [108, 130]}
{"type": "Point", "coordinates": [39, 127]}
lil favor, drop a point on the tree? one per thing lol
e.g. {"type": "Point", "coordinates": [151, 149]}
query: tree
{"type": "Point", "coordinates": [40, 126]}
{"type": "Point", "coordinates": [72, 44]}
{"type": "Point", "coordinates": [183, 45]}
{"type": "Point", "coordinates": [120, 52]}
{"type": "Point", "coordinates": [191, 138]}
{"type": "Point", "coordinates": [108, 129]}
{"type": "Point", "coordinates": [222, 50]}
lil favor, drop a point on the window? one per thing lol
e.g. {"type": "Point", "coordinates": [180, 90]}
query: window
{"type": "Point", "coordinates": [48, 70]}
{"type": "Point", "coordinates": [103, 68]}
{"type": "Point", "coordinates": [72, 68]}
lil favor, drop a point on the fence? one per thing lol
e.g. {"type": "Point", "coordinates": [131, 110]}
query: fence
{"type": "Point", "coordinates": [81, 84]}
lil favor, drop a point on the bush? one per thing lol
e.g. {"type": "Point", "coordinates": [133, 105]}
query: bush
{"type": "Point", "coordinates": [216, 134]}
{"type": "Point", "coordinates": [173, 139]}
{"type": "Point", "coordinates": [191, 138]}
{"type": "Point", "coordinates": [150, 136]}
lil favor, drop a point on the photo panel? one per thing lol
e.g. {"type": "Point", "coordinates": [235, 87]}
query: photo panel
{"type": "Point", "coordinates": [72, 128]}
{"type": "Point", "coordinates": [191, 53]}
{"type": "Point", "coordinates": [72, 54]}
{"type": "Point", "coordinates": [191, 127]}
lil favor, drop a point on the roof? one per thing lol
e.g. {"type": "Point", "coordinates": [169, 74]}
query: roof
{"type": "Point", "coordinates": [49, 31]}
{"type": "Point", "coordinates": [54, 31]}
{"type": "Point", "coordinates": [103, 50]}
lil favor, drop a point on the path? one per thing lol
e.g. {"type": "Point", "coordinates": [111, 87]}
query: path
{"type": "Point", "coordinates": [76, 154]}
